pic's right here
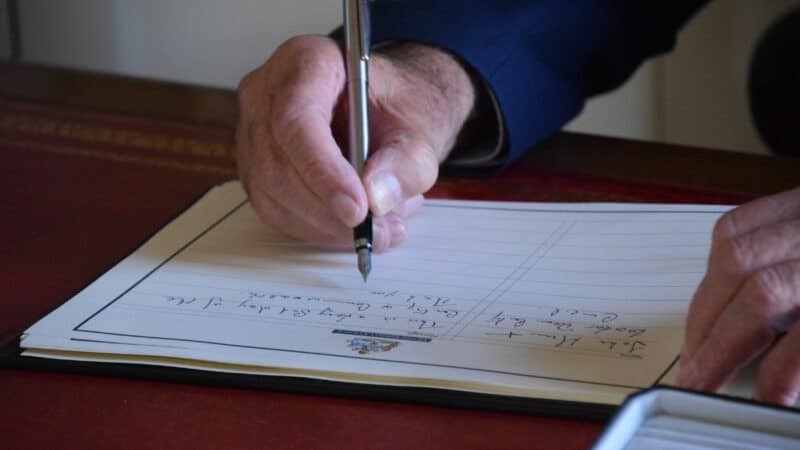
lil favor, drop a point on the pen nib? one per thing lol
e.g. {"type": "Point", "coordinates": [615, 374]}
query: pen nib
{"type": "Point", "coordinates": [364, 262]}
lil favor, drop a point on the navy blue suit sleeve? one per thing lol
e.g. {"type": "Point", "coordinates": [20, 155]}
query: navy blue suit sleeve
{"type": "Point", "coordinates": [540, 58]}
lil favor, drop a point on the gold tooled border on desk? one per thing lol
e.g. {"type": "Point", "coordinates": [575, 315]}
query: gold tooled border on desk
{"type": "Point", "coordinates": [83, 130]}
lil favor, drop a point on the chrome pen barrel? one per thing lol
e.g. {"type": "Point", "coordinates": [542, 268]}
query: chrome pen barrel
{"type": "Point", "coordinates": [356, 24]}
{"type": "Point", "coordinates": [358, 137]}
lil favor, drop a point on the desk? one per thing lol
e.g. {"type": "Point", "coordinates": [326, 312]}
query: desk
{"type": "Point", "coordinates": [91, 165]}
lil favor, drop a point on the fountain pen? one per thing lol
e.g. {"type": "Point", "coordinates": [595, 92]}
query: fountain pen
{"type": "Point", "coordinates": [356, 36]}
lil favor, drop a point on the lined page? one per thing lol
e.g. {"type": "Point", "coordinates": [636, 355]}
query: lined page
{"type": "Point", "coordinates": [505, 294]}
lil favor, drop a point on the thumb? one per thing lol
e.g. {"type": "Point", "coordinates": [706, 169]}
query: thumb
{"type": "Point", "coordinates": [403, 167]}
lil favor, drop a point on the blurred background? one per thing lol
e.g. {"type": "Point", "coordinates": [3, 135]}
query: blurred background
{"type": "Point", "coordinates": [695, 95]}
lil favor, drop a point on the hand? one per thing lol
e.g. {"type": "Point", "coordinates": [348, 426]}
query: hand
{"type": "Point", "coordinates": [292, 112]}
{"type": "Point", "coordinates": [748, 299]}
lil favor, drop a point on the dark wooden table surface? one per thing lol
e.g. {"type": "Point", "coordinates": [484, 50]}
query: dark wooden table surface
{"type": "Point", "coordinates": [90, 165]}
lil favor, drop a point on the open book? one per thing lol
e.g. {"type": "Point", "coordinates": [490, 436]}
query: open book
{"type": "Point", "coordinates": [573, 302]}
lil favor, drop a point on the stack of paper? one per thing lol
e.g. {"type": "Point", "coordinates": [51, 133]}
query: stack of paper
{"type": "Point", "coordinates": [580, 302]}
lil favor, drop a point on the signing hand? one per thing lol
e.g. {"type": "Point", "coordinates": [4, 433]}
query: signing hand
{"type": "Point", "coordinates": [291, 112]}
{"type": "Point", "coordinates": [748, 299]}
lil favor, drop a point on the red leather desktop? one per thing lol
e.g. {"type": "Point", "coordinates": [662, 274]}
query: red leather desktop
{"type": "Point", "coordinates": [82, 184]}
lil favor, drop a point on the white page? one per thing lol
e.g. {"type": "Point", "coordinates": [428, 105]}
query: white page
{"type": "Point", "coordinates": [667, 431]}
{"type": "Point", "coordinates": [534, 297]}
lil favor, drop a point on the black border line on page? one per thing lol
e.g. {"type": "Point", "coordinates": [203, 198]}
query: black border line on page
{"type": "Point", "coordinates": [237, 207]}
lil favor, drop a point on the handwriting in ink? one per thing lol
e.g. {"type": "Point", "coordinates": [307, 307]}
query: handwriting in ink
{"type": "Point", "coordinates": [510, 334]}
{"type": "Point", "coordinates": [253, 306]}
{"type": "Point", "coordinates": [340, 316]}
{"type": "Point", "coordinates": [604, 317]}
{"type": "Point", "coordinates": [560, 340]}
{"type": "Point", "coordinates": [423, 323]}
{"type": "Point", "coordinates": [630, 332]}
{"type": "Point", "coordinates": [558, 324]}
{"type": "Point", "coordinates": [624, 346]}
{"type": "Point", "coordinates": [500, 317]}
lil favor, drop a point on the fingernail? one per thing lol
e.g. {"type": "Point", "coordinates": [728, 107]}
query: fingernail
{"type": "Point", "coordinates": [385, 192]}
{"type": "Point", "coordinates": [346, 209]}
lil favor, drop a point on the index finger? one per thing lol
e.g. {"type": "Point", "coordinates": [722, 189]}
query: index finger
{"type": "Point", "coordinates": [762, 211]}
{"type": "Point", "coordinates": [730, 263]}
{"type": "Point", "coordinates": [758, 313]}
{"type": "Point", "coordinates": [734, 254]}
{"type": "Point", "coordinates": [301, 126]}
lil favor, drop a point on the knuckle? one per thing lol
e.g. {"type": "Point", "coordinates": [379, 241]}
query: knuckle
{"type": "Point", "coordinates": [766, 292]}
{"type": "Point", "coordinates": [244, 137]}
{"type": "Point", "coordinates": [300, 43]}
{"type": "Point", "coordinates": [294, 43]}
{"type": "Point", "coordinates": [244, 97]}
{"type": "Point", "coordinates": [294, 46]}
{"type": "Point", "coordinates": [276, 173]}
{"type": "Point", "coordinates": [250, 97]}
{"type": "Point", "coordinates": [725, 227]}
{"type": "Point", "coordinates": [240, 140]}
{"type": "Point", "coordinates": [242, 163]}
{"type": "Point", "coordinates": [265, 210]}
{"type": "Point", "coordinates": [243, 93]}
{"type": "Point", "coordinates": [737, 254]}
{"type": "Point", "coordinates": [244, 179]}
{"type": "Point", "coordinates": [398, 137]}
{"type": "Point", "coordinates": [249, 88]}
{"type": "Point", "coordinates": [318, 61]}
{"type": "Point", "coordinates": [245, 86]}
{"type": "Point", "coordinates": [314, 171]}
{"type": "Point", "coordinates": [307, 58]}
{"type": "Point", "coordinates": [268, 172]}
{"type": "Point", "coordinates": [287, 121]}
{"type": "Point", "coordinates": [266, 175]}
{"type": "Point", "coordinates": [296, 118]}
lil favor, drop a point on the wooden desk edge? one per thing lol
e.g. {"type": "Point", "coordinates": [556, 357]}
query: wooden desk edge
{"type": "Point", "coordinates": [615, 158]}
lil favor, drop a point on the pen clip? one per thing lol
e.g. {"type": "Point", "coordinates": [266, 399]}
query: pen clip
{"type": "Point", "coordinates": [357, 29]}
{"type": "Point", "coordinates": [364, 27]}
